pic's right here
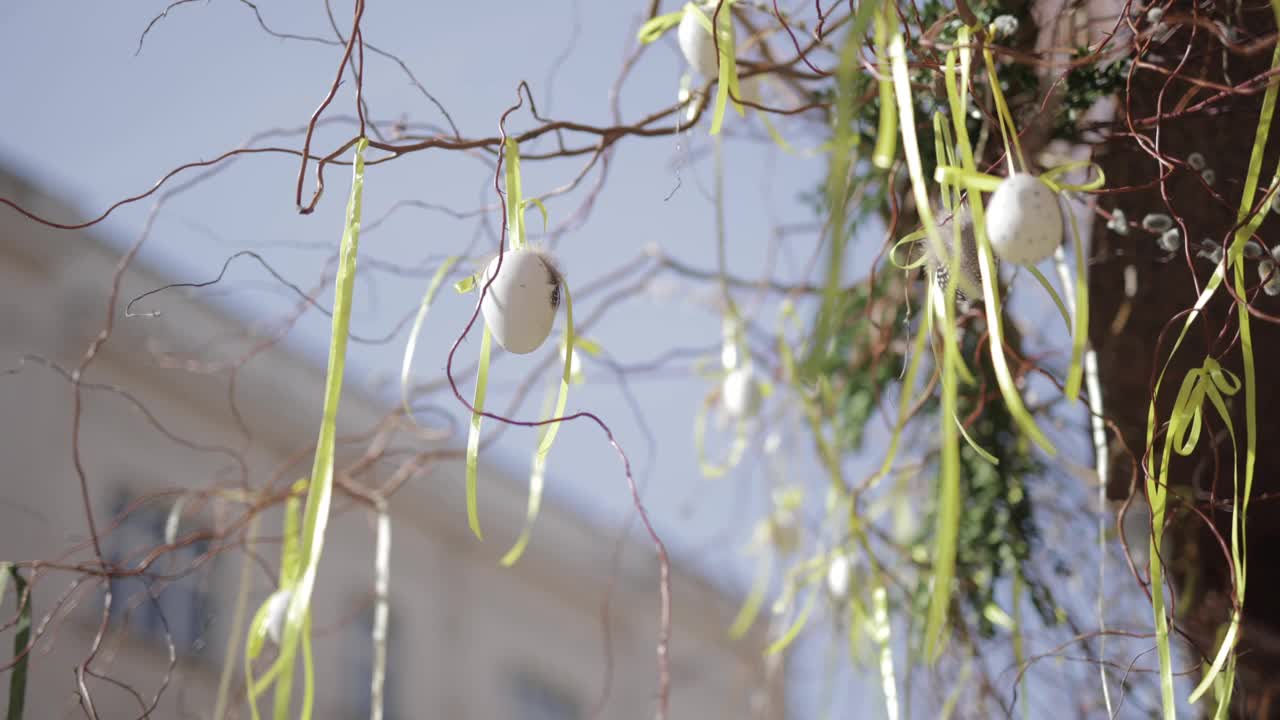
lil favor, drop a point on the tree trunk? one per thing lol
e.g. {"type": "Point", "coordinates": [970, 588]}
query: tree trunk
{"type": "Point", "coordinates": [1133, 335]}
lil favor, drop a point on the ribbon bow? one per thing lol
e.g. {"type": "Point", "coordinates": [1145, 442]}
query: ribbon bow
{"type": "Point", "coordinates": [1211, 381]}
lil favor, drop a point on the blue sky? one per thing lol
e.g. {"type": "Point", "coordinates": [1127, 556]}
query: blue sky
{"type": "Point", "coordinates": [87, 116]}
{"type": "Point", "coordinates": [102, 124]}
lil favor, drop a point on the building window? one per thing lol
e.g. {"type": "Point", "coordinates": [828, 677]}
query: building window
{"type": "Point", "coordinates": [535, 699]}
{"type": "Point", "coordinates": [169, 594]}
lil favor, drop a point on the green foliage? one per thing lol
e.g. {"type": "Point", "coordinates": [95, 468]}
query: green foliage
{"type": "Point", "coordinates": [997, 524]}
{"type": "Point", "coordinates": [1084, 86]}
{"type": "Point", "coordinates": [864, 353]}
{"type": "Point", "coordinates": [861, 358]}
{"type": "Point", "coordinates": [997, 528]}
{"type": "Point", "coordinates": [1018, 81]}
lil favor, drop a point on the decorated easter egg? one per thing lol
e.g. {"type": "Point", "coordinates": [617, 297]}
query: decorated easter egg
{"type": "Point", "coordinates": [1024, 220]}
{"type": "Point", "coordinates": [520, 306]}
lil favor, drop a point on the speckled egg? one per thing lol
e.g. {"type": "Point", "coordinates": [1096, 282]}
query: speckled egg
{"type": "Point", "coordinates": [1024, 220]}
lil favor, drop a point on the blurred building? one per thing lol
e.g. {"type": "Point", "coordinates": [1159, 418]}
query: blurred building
{"type": "Point", "coordinates": [468, 639]}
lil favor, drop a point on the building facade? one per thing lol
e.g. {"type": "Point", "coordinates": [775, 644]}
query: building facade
{"type": "Point", "coordinates": [170, 444]}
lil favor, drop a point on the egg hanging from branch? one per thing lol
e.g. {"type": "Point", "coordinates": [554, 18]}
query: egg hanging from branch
{"type": "Point", "coordinates": [838, 572]}
{"type": "Point", "coordinates": [741, 393]}
{"type": "Point", "coordinates": [1024, 220]}
{"type": "Point", "coordinates": [520, 306]}
{"type": "Point", "coordinates": [277, 608]}
{"type": "Point", "coordinates": [697, 44]}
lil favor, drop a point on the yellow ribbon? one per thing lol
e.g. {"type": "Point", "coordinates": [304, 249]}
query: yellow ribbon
{"type": "Point", "coordinates": [1211, 381]}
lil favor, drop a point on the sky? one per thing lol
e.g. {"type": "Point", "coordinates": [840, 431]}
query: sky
{"type": "Point", "coordinates": [107, 123]}
{"type": "Point", "coordinates": [96, 116]}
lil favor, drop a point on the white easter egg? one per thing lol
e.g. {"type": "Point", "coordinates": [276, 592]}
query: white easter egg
{"type": "Point", "coordinates": [277, 608]}
{"type": "Point", "coordinates": [1024, 221]}
{"type": "Point", "coordinates": [521, 304]}
{"type": "Point", "coordinates": [698, 46]}
{"type": "Point", "coordinates": [741, 393]}
{"type": "Point", "coordinates": [838, 576]}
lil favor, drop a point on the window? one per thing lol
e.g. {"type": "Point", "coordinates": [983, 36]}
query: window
{"type": "Point", "coordinates": [168, 593]}
{"type": "Point", "coordinates": [535, 699]}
